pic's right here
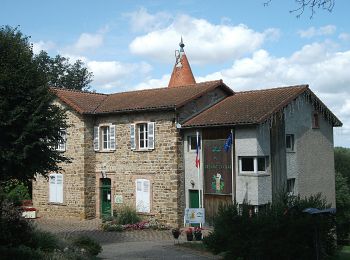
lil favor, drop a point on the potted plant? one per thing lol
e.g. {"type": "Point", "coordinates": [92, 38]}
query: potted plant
{"type": "Point", "coordinates": [198, 233]}
{"type": "Point", "coordinates": [176, 232]}
{"type": "Point", "coordinates": [189, 234]}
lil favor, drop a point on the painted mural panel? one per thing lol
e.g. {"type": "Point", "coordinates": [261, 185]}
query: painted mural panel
{"type": "Point", "coordinates": [217, 168]}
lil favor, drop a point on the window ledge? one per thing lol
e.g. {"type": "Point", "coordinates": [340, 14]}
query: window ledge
{"type": "Point", "coordinates": [254, 174]}
{"type": "Point", "coordinates": [290, 151]}
{"type": "Point", "coordinates": [56, 204]}
{"type": "Point", "coordinates": [105, 151]}
{"type": "Point", "coordinates": [150, 214]}
{"type": "Point", "coordinates": [142, 150]}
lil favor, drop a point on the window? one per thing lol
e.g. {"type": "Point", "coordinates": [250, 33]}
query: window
{"type": "Point", "coordinates": [192, 142]}
{"type": "Point", "coordinates": [56, 188]}
{"type": "Point", "coordinates": [143, 191]}
{"type": "Point", "coordinates": [315, 120]}
{"type": "Point", "coordinates": [290, 143]}
{"type": "Point", "coordinates": [253, 164]}
{"type": "Point", "coordinates": [104, 138]}
{"type": "Point", "coordinates": [290, 186]}
{"type": "Point", "coordinates": [61, 144]}
{"type": "Point", "coordinates": [142, 136]}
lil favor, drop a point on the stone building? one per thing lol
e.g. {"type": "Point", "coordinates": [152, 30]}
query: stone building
{"type": "Point", "coordinates": [139, 148]}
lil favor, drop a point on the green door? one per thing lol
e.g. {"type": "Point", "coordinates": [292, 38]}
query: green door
{"type": "Point", "coordinates": [194, 202]}
{"type": "Point", "coordinates": [194, 199]}
{"type": "Point", "coordinates": [105, 197]}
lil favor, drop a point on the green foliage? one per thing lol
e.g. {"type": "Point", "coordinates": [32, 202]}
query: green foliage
{"type": "Point", "coordinates": [30, 123]}
{"type": "Point", "coordinates": [20, 252]}
{"type": "Point", "coordinates": [91, 246]}
{"type": "Point", "coordinates": [127, 215]}
{"type": "Point", "coordinates": [61, 73]}
{"type": "Point", "coordinates": [16, 191]}
{"type": "Point", "coordinates": [280, 231]}
{"type": "Point", "coordinates": [343, 206]}
{"type": "Point", "coordinates": [342, 162]}
{"type": "Point", "coordinates": [12, 224]}
{"type": "Point", "coordinates": [112, 227]}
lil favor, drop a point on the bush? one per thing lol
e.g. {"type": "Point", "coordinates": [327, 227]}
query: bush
{"type": "Point", "coordinates": [91, 246]}
{"type": "Point", "coordinates": [127, 215]}
{"type": "Point", "coordinates": [280, 231]}
{"type": "Point", "coordinates": [46, 241]}
{"type": "Point", "coordinates": [112, 227]}
{"type": "Point", "coordinates": [20, 252]}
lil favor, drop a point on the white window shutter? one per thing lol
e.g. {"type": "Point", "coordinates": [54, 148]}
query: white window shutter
{"type": "Point", "coordinates": [132, 137]}
{"type": "Point", "coordinates": [63, 144]}
{"type": "Point", "coordinates": [96, 138]}
{"type": "Point", "coordinates": [59, 188]}
{"type": "Point", "coordinates": [151, 135]}
{"type": "Point", "coordinates": [52, 188]}
{"type": "Point", "coordinates": [112, 137]}
{"type": "Point", "coordinates": [143, 195]}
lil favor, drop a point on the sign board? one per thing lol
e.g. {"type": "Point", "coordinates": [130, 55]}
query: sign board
{"type": "Point", "coordinates": [194, 215]}
{"type": "Point", "coordinates": [217, 168]}
{"type": "Point", "coordinates": [118, 199]}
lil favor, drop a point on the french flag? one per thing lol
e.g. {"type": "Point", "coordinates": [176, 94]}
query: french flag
{"type": "Point", "coordinates": [198, 162]}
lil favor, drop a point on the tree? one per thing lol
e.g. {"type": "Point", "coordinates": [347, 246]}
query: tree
{"type": "Point", "coordinates": [326, 5]}
{"type": "Point", "coordinates": [61, 73]}
{"type": "Point", "coordinates": [342, 162]}
{"type": "Point", "coordinates": [30, 124]}
{"type": "Point", "coordinates": [343, 206]}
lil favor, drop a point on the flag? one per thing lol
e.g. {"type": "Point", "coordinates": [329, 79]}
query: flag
{"type": "Point", "coordinates": [198, 162]}
{"type": "Point", "coordinates": [228, 143]}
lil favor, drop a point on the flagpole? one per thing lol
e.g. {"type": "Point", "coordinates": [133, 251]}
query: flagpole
{"type": "Point", "coordinates": [232, 170]}
{"type": "Point", "coordinates": [198, 171]}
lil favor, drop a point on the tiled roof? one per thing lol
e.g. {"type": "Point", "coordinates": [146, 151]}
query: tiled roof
{"type": "Point", "coordinates": [181, 75]}
{"type": "Point", "coordinates": [250, 107]}
{"type": "Point", "coordinates": [83, 102]}
{"type": "Point", "coordinates": [151, 99]}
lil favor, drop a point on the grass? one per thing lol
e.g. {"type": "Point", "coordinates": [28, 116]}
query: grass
{"type": "Point", "coordinates": [343, 254]}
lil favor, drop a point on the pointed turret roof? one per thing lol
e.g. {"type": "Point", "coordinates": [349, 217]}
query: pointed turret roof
{"type": "Point", "coordinates": [182, 74]}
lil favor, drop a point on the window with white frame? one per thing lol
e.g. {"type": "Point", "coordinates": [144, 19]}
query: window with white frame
{"type": "Point", "coordinates": [290, 186]}
{"type": "Point", "coordinates": [253, 164]}
{"type": "Point", "coordinates": [61, 144]}
{"type": "Point", "coordinates": [192, 142]}
{"type": "Point", "coordinates": [143, 195]}
{"type": "Point", "coordinates": [290, 143]}
{"type": "Point", "coordinates": [56, 188]}
{"type": "Point", "coordinates": [104, 138]}
{"type": "Point", "coordinates": [142, 136]}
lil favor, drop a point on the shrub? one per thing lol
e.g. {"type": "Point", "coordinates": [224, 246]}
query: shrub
{"type": "Point", "coordinates": [127, 215]}
{"type": "Point", "coordinates": [280, 231]}
{"type": "Point", "coordinates": [91, 246]}
{"type": "Point", "coordinates": [20, 252]}
{"type": "Point", "coordinates": [112, 227]}
{"type": "Point", "coordinates": [46, 241]}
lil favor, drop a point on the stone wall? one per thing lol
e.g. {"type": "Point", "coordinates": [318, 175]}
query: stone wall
{"type": "Point", "coordinates": [73, 176]}
{"type": "Point", "coordinates": [162, 166]}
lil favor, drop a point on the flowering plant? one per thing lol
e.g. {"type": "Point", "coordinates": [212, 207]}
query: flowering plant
{"type": "Point", "coordinates": [197, 230]}
{"type": "Point", "coordinates": [189, 231]}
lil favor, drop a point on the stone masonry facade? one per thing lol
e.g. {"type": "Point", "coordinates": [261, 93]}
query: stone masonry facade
{"type": "Point", "coordinates": [162, 166]}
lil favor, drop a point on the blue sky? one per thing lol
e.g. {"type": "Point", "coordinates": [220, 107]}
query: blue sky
{"type": "Point", "coordinates": [130, 44]}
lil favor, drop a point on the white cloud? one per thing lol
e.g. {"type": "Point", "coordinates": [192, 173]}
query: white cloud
{"type": "Point", "coordinates": [114, 75]}
{"type": "Point", "coordinates": [42, 46]}
{"type": "Point", "coordinates": [312, 31]}
{"type": "Point", "coordinates": [209, 42]}
{"type": "Point", "coordinates": [142, 21]}
{"type": "Point", "coordinates": [344, 36]}
{"type": "Point", "coordinates": [154, 83]}
{"type": "Point", "coordinates": [88, 41]}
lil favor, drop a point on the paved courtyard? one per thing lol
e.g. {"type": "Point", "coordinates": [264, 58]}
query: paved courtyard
{"type": "Point", "coordinates": [139, 244]}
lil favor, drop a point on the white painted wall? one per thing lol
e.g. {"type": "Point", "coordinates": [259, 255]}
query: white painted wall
{"type": "Point", "coordinates": [253, 141]}
{"type": "Point", "coordinates": [312, 163]}
{"type": "Point", "coordinates": [191, 172]}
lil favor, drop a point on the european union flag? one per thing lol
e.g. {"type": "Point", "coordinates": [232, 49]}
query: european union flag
{"type": "Point", "coordinates": [228, 143]}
